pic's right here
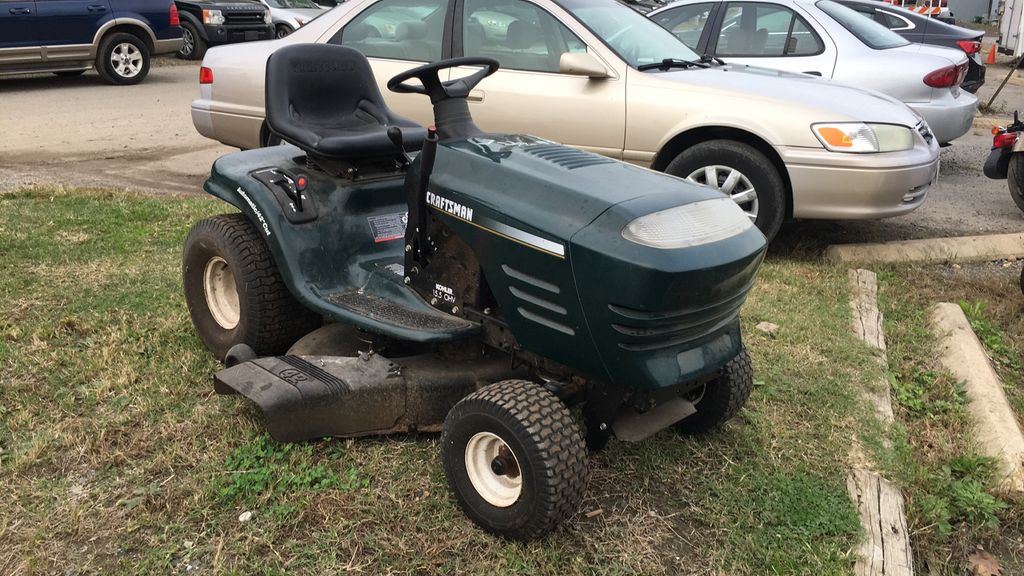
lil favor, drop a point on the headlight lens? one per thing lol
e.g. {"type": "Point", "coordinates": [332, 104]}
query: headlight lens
{"type": "Point", "coordinates": [861, 137]}
{"type": "Point", "coordinates": [267, 18]}
{"type": "Point", "coordinates": [213, 17]}
{"type": "Point", "coordinates": [693, 224]}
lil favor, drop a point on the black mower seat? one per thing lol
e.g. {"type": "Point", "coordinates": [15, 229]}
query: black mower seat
{"type": "Point", "coordinates": [324, 99]}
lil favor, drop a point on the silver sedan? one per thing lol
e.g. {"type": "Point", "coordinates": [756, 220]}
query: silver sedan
{"type": "Point", "coordinates": [824, 38]}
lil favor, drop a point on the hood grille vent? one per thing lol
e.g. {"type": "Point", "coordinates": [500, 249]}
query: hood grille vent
{"type": "Point", "coordinates": [570, 158]}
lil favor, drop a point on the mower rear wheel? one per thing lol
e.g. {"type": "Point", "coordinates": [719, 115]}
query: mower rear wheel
{"type": "Point", "coordinates": [721, 399]}
{"type": "Point", "coordinates": [515, 459]}
{"type": "Point", "coordinates": [234, 292]}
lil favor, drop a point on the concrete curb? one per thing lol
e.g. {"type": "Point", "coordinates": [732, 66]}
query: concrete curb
{"type": "Point", "coordinates": [962, 248]}
{"type": "Point", "coordinates": [996, 429]}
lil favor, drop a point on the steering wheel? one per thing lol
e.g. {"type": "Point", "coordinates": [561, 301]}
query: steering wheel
{"type": "Point", "coordinates": [432, 85]}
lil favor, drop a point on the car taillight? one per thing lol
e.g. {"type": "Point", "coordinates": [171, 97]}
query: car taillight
{"type": "Point", "coordinates": [941, 78]}
{"type": "Point", "coordinates": [946, 77]}
{"type": "Point", "coordinates": [970, 47]}
{"type": "Point", "coordinates": [944, 3]}
{"type": "Point", "coordinates": [175, 20]}
{"type": "Point", "coordinates": [205, 75]}
{"type": "Point", "coordinates": [1005, 139]}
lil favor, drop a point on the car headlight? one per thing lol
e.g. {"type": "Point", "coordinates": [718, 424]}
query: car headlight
{"type": "Point", "coordinates": [862, 137]}
{"type": "Point", "coordinates": [213, 17]}
{"type": "Point", "coordinates": [267, 18]}
{"type": "Point", "coordinates": [693, 224]}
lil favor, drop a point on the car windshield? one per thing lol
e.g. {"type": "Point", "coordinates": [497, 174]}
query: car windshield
{"type": "Point", "coordinates": [633, 37]}
{"type": "Point", "coordinates": [865, 29]}
{"type": "Point", "coordinates": [291, 4]}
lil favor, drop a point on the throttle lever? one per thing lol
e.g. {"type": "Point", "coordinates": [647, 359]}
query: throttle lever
{"type": "Point", "coordinates": [395, 135]}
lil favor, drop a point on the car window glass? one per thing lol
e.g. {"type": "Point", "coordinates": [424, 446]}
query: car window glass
{"type": "Point", "coordinates": [633, 37]}
{"type": "Point", "coordinates": [686, 22]}
{"type": "Point", "coordinates": [865, 29]}
{"type": "Point", "coordinates": [770, 30]}
{"type": "Point", "coordinates": [397, 29]}
{"type": "Point", "coordinates": [889, 21]}
{"type": "Point", "coordinates": [517, 34]}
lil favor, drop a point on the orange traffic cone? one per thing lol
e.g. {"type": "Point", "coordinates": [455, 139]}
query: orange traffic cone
{"type": "Point", "coordinates": [991, 56]}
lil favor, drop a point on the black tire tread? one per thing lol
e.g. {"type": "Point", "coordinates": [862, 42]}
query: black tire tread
{"type": "Point", "coordinates": [275, 320]}
{"type": "Point", "coordinates": [558, 445]}
{"type": "Point", "coordinates": [199, 46]}
{"type": "Point", "coordinates": [1015, 179]}
{"type": "Point", "coordinates": [723, 398]}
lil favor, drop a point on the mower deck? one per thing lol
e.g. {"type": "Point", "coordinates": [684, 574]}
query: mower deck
{"type": "Point", "coordinates": [307, 397]}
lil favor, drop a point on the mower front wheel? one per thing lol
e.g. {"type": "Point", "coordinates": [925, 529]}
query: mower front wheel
{"type": "Point", "coordinates": [721, 399]}
{"type": "Point", "coordinates": [234, 292]}
{"type": "Point", "coordinates": [515, 459]}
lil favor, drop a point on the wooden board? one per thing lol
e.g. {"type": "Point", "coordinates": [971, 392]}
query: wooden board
{"type": "Point", "coordinates": [867, 325]}
{"type": "Point", "coordinates": [886, 549]}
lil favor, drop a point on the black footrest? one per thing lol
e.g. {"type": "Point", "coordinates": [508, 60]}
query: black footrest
{"type": "Point", "coordinates": [389, 312]}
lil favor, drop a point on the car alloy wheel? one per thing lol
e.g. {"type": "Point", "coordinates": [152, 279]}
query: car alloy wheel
{"type": "Point", "coordinates": [731, 182]}
{"type": "Point", "coordinates": [188, 42]}
{"type": "Point", "coordinates": [126, 60]}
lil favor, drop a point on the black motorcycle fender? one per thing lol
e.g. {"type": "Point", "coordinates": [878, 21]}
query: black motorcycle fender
{"type": "Point", "coordinates": [997, 163]}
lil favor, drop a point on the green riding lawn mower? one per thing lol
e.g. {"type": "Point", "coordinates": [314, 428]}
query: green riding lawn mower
{"type": "Point", "coordinates": [381, 278]}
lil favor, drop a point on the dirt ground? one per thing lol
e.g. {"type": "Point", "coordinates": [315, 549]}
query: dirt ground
{"type": "Point", "coordinates": [82, 132]}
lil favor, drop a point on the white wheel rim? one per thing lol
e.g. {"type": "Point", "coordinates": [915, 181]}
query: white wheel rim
{"type": "Point", "coordinates": [221, 293]}
{"type": "Point", "coordinates": [731, 182]}
{"type": "Point", "coordinates": [126, 60]}
{"type": "Point", "coordinates": [498, 490]}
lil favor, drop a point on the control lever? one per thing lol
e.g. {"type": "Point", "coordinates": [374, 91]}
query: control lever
{"type": "Point", "coordinates": [395, 135]}
{"type": "Point", "coordinates": [292, 189]}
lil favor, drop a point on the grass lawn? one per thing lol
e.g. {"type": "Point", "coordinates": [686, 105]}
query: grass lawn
{"type": "Point", "coordinates": [117, 458]}
{"type": "Point", "coordinates": [951, 504]}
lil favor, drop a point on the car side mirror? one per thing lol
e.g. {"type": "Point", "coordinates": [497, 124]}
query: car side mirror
{"type": "Point", "coordinates": [581, 64]}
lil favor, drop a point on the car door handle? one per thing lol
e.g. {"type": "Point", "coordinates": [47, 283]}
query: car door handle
{"type": "Point", "coordinates": [97, 8]}
{"type": "Point", "coordinates": [476, 96]}
{"type": "Point", "coordinates": [812, 72]}
{"type": "Point", "coordinates": [20, 10]}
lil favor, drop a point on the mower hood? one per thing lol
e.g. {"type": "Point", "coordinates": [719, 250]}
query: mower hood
{"type": "Point", "coordinates": [549, 225]}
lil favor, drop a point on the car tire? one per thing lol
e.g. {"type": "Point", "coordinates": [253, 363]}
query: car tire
{"type": "Point", "coordinates": [122, 59]}
{"type": "Point", "coordinates": [1015, 179]}
{"type": "Point", "coordinates": [528, 432]}
{"type": "Point", "coordinates": [720, 400]}
{"type": "Point", "coordinates": [193, 47]}
{"type": "Point", "coordinates": [69, 73]}
{"type": "Point", "coordinates": [234, 292]}
{"type": "Point", "coordinates": [755, 172]}
{"type": "Point", "coordinates": [282, 30]}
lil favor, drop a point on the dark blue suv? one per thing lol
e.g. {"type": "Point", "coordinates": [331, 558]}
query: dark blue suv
{"type": "Point", "coordinates": [68, 37]}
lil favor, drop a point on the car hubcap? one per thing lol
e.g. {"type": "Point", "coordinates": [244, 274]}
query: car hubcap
{"type": "Point", "coordinates": [186, 42]}
{"type": "Point", "coordinates": [126, 60]}
{"type": "Point", "coordinates": [731, 182]}
{"type": "Point", "coordinates": [281, 33]}
{"type": "Point", "coordinates": [493, 470]}
{"type": "Point", "coordinates": [221, 293]}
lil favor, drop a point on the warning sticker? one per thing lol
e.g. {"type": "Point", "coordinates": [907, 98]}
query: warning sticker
{"type": "Point", "coordinates": [387, 227]}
